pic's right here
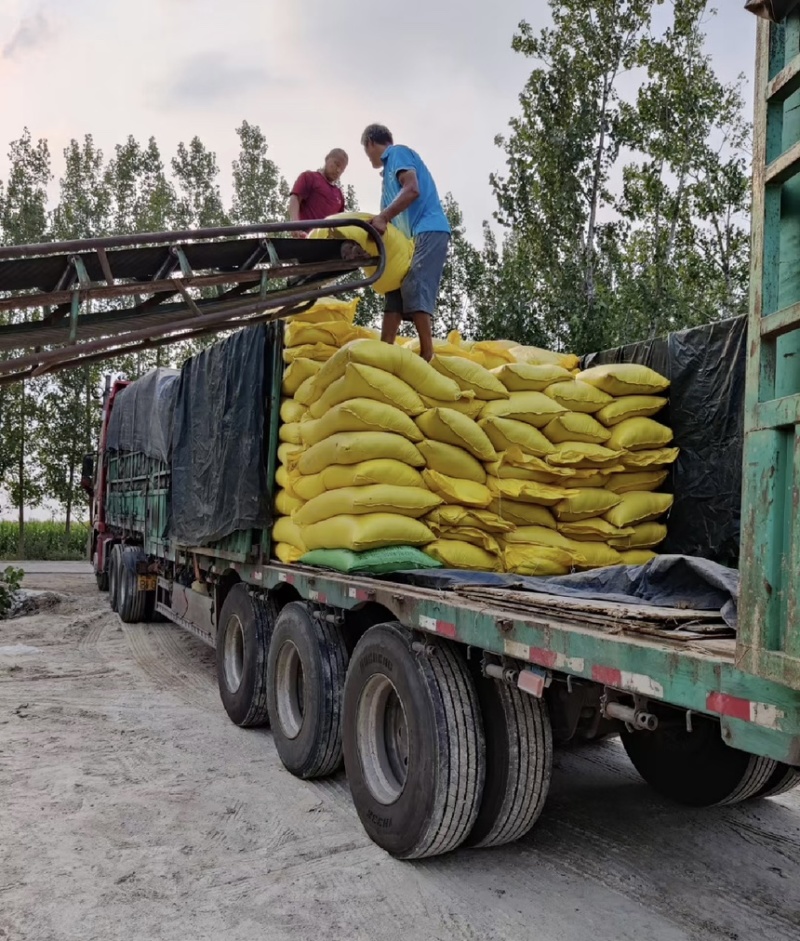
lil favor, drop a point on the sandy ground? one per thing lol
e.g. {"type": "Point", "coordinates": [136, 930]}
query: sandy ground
{"type": "Point", "coordinates": [131, 808]}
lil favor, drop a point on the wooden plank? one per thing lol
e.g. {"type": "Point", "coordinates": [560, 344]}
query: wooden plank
{"type": "Point", "coordinates": [611, 609]}
{"type": "Point", "coordinates": [781, 322]}
{"type": "Point", "coordinates": [785, 83]}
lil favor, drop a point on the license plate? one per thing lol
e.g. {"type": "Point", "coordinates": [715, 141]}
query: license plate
{"type": "Point", "coordinates": [147, 582]}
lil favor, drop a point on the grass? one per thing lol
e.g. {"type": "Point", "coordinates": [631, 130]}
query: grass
{"type": "Point", "coordinates": [44, 540]}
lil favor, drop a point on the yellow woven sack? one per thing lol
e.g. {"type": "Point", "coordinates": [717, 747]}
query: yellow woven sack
{"type": "Point", "coordinates": [470, 377]}
{"type": "Point", "coordinates": [443, 348]}
{"type": "Point", "coordinates": [375, 471]}
{"type": "Point", "coordinates": [637, 556]}
{"type": "Point", "coordinates": [455, 554]}
{"type": "Point", "coordinates": [596, 555]}
{"type": "Point", "coordinates": [536, 536]}
{"type": "Point", "coordinates": [522, 377]}
{"type": "Point", "coordinates": [289, 454]}
{"type": "Point", "coordinates": [359, 415]}
{"type": "Point", "coordinates": [352, 447]}
{"type": "Point", "coordinates": [321, 352]}
{"type": "Point", "coordinates": [286, 553]}
{"type": "Point", "coordinates": [457, 492]}
{"type": "Point", "coordinates": [287, 531]}
{"type": "Point", "coordinates": [399, 249]}
{"type": "Point", "coordinates": [584, 479]}
{"type": "Point", "coordinates": [578, 396]}
{"type": "Point", "coordinates": [516, 458]}
{"type": "Point", "coordinates": [527, 491]}
{"type": "Point", "coordinates": [639, 507]}
{"type": "Point", "coordinates": [290, 432]}
{"type": "Point", "coordinates": [470, 534]}
{"type": "Point", "coordinates": [630, 406]}
{"type": "Point", "coordinates": [363, 474]}
{"type": "Point", "coordinates": [535, 356]}
{"type": "Point", "coordinates": [493, 353]}
{"type": "Point", "coordinates": [580, 454]}
{"type": "Point", "coordinates": [444, 424]}
{"type": "Point", "coordinates": [296, 374]}
{"type": "Point", "coordinates": [356, 501]}
{"type": "Point", "coordinates": [335, 333]}
{"type": "Point", "coordinates": [461, 516]}
{"type": "Point", "coordinates": [644, 460]}
{"type": "Point", "coordinates": [306, 394]}
{"type": "Point", "coordinates": [639, 434]}
{"type": "Point", "coordinates": [522, 514]}
{"type": "Point", "coordinates": [396, 360]}
{"type": "Point", "coordinates": [371, 531]}
{"type": "Point", "coordinates": [470, 407]}
{"type": "Point", "coordinates": [533, 408]}
{"type": "Point", "coordinates": [308, 486]}
{"type": "Point", "coordinates": [637, 480]}
{"type": "Point", "coordinates": [327, 309]}
{"type": "Point", "coordinates": [292, 410]}
{"type": "Point", "coordinates": [593, 530]}
{"type": "Point", "coordinates": [450, 460]}
{"type": "Point", "coordinates": [285, 504]}
{"type": "Point", "coordinates": [512, 472]}
{"type": "Point", "coordinates": [624, 379]}
{"type": "Point", "coordinates": [576, 426]}
{"type": "Point", "coordinates": [507, 433]}
{"type": "Point", "coordinates": [366, 382]}
{"type": "Point", "coordinates": [537, 560]}
{"type": "Point", "coordinates": [584, 504]}
{"type": "Point", "coordinates": [643, 536]}
{"type": "Point", "coordinates": [283, 479]}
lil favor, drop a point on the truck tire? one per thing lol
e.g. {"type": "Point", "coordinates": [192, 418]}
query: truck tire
{"type": "Point", "coordinates": [519, 763]}
{"type": "Point", "coordinates": [413, 742]}
{"type": "Point", "coordinates": [114, 568]}
{"type": "Point", "coordinates": [306, 670]}
{"type": "Point", "coordinates": [131, 603]}
{"type": "Point", "coordinates": [783, 779]}
{"type": "Point", "coordinates": [696, 768]}
{"type": "Point", "coordinates": [243, 638]}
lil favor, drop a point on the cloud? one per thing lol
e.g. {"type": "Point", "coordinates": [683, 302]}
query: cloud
{"type": "Point", "coordinates": [208, 78]}
{"type": "Point", "coordinates": [32, 33]}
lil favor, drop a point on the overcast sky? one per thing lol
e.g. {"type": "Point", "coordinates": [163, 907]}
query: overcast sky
{"type": "Point", "coordinates": [312, 74]}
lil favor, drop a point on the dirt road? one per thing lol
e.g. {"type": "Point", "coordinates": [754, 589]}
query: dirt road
{"type": "Point", "coordinates": [131, 808]}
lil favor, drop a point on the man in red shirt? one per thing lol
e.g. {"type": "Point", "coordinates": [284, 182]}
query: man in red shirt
{"type": "Point", "coordinates": [316, 193]}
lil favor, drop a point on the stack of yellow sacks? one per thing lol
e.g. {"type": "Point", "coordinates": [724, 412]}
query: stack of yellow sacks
{"type": "Point", "coordinates": [356, 474]}
{"type": "Point", "coordinates": [528, 466]}
{"type": "Point", "coordinates": [310, 339]}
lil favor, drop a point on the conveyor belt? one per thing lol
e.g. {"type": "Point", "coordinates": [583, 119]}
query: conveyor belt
{"type": "Point", "coordinates": [71, 303]}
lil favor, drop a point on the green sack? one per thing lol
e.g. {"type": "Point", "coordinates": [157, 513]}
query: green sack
{"type": "Point", "coordinates": [372, 562]}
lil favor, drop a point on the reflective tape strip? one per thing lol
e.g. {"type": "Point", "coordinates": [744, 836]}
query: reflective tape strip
{"type": "Point", "coordinates": [445, 628]}
{"type": "Point", "coordinates": [759, 713]}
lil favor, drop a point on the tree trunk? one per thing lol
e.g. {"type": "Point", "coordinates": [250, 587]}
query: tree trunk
{"type": "Point", "coordinates": [595, 196]}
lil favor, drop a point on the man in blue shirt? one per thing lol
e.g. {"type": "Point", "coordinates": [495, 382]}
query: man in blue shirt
{"type": "Point", "coordinates": [410, 201]}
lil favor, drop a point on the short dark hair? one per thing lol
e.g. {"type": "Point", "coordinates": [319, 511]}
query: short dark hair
{"type": "Point", "coordinates": [376, 134]}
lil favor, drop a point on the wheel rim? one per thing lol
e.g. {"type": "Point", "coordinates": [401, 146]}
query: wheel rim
{"type": "Point", "coordinates": [382, 736]}
{"type": "Point", "coordinates": [290, 690]}
{"type": "Point", "coordinates": [233, 653]}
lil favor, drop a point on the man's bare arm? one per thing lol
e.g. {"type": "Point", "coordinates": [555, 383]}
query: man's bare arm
{"type": "Point", "coordinates": [406, 196]}
{"type": "Point", "coordinates": [294, 214]}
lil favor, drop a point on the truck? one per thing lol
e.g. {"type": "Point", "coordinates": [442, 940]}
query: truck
{"type": "Point", "coordinates": [444, 694]}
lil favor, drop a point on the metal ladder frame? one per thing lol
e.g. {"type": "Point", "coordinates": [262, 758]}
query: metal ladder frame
{"type": "Point", "coordinates": [768, 642]}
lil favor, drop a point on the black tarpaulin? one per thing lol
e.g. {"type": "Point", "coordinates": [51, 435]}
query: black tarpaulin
{"type": "Point", "coordinates": [706, 369]}
{"type": "Point", "coordinates": [219, 478]}
{"type": "Point", "coordinates": [669, 581]}
{"type": "Point", "coordinates": [141, 419]}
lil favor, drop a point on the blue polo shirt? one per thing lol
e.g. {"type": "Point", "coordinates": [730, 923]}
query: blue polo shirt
{"type": "Point", "coordinates": [425, 214]}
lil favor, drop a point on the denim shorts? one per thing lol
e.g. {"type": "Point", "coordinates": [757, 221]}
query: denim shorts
{"type": "Point", "coordinates": [419, 290]}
